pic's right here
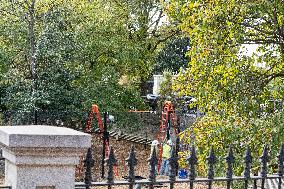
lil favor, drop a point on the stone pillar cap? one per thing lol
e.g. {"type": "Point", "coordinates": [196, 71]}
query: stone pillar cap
{"type": "Point", "coordinates": [42, 136]}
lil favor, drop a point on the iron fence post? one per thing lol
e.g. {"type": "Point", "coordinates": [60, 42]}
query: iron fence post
{"type": "Point", "coordinates": [105, 139]}
{"type": "Point", "coordinates": [211, 159]}
{"type": "Point", "coordinates": [88, 163]}
{"type": "Point", "coordinates": [169, 125]}
{"type": "Point", "coordinates": [230, 160]}
{"type": "Point", "coordinates": [131, 162]}
{"type": "Point", "coordinates": [248, 161]}
{"type": "Point", "coordinates": [110, 161]}
{"type": "Point", "coordinates": [153, 161]}
{"type": "Point", "coordinates": [264, 161]}
{"type": "Point", "coordinates": [173, 167]}
{"type": "Point", "coordinates": [192, 160]}
{"type": "Point", "coordinates": [178, 143]}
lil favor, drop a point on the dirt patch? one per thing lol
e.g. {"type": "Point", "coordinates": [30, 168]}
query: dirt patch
{"type": "Point", "coordinates": [121, 150]}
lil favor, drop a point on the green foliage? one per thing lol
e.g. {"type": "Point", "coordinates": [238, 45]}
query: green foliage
{"type": "Point", "coordinates": [219, 74]}
{"type": "Point", "coordinates": [54, 93]}
{"type": "Point", "coordinates": [103, 89]}
{"type": "Point", "coordinates": [166, 85]}
{"type": "Point", "coordinates": [57, 57]}
{"type": "Point", "coordinates": [122, 34]}
{"type": "Point", "coordinates": [173, 56]}
{"type": "Point", "coordinates": [239, 133]}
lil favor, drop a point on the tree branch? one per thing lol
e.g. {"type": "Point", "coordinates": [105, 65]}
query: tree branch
{"type": "Point", "coordinates": [156, 23]}
{"type": "Point", "coordinates": [269, 78]}
{"type": "Point", "coordinates": [261, 41]}
{"type": "Point", "coordinates": [257, 28]}
{"type": "Point", "coordinates": [172, 33]}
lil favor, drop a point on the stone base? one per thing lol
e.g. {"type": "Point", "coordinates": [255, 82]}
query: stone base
{"type": "Point", "coordinates": [35, 177]}
{"type": "Point", "coordinates": [35, 168]}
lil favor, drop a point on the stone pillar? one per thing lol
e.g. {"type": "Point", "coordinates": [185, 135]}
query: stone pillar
{"type": "Point", "coordinates": [41, 157]}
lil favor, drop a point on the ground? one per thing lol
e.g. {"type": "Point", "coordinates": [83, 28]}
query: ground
{"type": "Point", "coordinates": [122, 147]}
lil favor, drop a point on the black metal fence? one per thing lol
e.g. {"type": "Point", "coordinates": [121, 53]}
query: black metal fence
{"type": "Point", "coordinates": [262, 180]}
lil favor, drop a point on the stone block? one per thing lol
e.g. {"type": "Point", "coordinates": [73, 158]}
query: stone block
{"type": "Point", "coordinates": [42, 157]}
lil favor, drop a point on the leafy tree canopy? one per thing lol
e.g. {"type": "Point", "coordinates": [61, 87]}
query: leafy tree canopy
{"type": "Point", "coordinates": [63, 56]}
{"type": "Point", "coordinates": [219, 74]}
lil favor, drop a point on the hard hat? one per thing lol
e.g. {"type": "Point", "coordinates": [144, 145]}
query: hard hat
{"type": "Point", "coordinates": [155, 143]}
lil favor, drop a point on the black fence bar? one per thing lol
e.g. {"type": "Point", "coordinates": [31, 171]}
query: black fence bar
{"type": "Point", "coordinates": [262, 178]}
{"type": "Point", "coordinates": [177, 181]}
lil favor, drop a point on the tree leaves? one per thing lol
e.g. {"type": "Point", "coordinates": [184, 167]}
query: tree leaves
{"type": "Point", "coordinates": [77, 54]}
{"type": "Point", "coordinates": [217, 71]}
{"type": "Point", "coordinates": [173, 55]}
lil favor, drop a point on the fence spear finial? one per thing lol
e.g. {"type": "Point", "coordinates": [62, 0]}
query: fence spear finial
{"type": "Point", "coordinates": [131, 163]}
{"type": "Point", "coordinates": [88, 163]}
{"type": "Point", "coordinates": [247, 167]}
{"type": "Point", "coordinates": [111, 162]}
{"type": "Point", "coordinates": [192, 161]}
{"type": "Point", "coordinates": [230, 159]}
{"type": "Point", "coordinates": [248, 161]}
{"type": "Point", "coordinates": [264, 160]}
{"type": "Point", "coordinates": [211, 161]}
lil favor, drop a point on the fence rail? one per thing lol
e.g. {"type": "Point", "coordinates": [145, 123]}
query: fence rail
{"type": "Point", "coordinates": [272, 182]}
{"type": "Point", "coordinates": [263, 180]}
